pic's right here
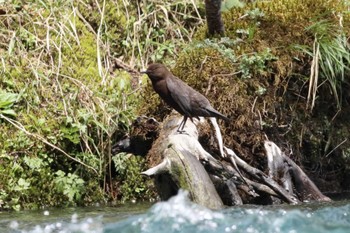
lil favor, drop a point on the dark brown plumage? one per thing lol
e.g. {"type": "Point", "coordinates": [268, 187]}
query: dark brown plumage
{"type": "Point", "coordinates": [179, 95]}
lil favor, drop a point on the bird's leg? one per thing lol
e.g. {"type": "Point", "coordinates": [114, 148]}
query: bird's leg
{"type": "Point", "coordinates": [192, 119]}
{"type": "Point", "coordinates": [180, 129]}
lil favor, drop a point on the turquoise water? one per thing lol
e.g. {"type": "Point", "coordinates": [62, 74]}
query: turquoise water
{"type": "Point", "coordinates": [180, 215]}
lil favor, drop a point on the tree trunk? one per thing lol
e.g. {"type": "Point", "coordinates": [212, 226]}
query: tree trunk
{"type": "Point", "coordinates": [214, 20]}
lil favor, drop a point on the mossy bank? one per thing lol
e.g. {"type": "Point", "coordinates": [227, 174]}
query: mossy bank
{"type": "Point", "coordinates": [282, 72]}
{"type": "Point", "coordinates": [65, 100]}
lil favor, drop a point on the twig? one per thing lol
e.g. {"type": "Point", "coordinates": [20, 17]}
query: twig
{"type": "Point", "coordinates": [58, 73]}
{"type": "Point", "coordinates": [226, 75]}
{"type": "Point", "coordinates": [336, 147]}
{"type": "Point", "coordinates": [313, 76]}
{"type": "Point", "coordinates": [19, 126]}
{"type": "Point", "coordinates": [202, 65]}
{"type": "Point", "coordinates": [98, 47]}
{"type": "Point", "coordinates": [336, 114]}
{"type": "Point", "coordinates": [196, 9]}
{"type": "Point", "coordinates": [253, 106]}
{"type": "Point", "coordinates": [120, 64]}
{"type": "Point", "coordinates": [218, 75]}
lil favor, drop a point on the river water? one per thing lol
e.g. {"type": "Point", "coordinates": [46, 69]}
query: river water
{"type": "Point", "coordinates": [180, 215]}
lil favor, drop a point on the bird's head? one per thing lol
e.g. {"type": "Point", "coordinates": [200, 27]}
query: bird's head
{"type": "Point", "coordinates": [156, 71]}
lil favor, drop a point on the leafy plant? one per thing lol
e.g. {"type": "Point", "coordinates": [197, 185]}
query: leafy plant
{"type": "Point", "coordinates": [70, 185]}
{"type": "Point", "coordinates": [256, 63]}
{"type": "Point", "coordinates": [223, 46]}
{"type": "Point", "coordinates": [331, 58]}
{"type": "Point", "coordinates": [255, 14]}
{"type": "Point", "coordinates": [120, 164]}
{"type": "Point", "coordinates": [247, 64]}
{"type": "Point", "coordinates": [26, 179]}
{"type": "Point", "coordinates": [146, 31]}
{"type": "Point", "coordinates": [228, 4]}
{"type": "Point", "coordinates": [70, 109]}
{"type": "Point", "coordinates": [133, 186]}
{"type": "Point", "coordinates": [7, 100]}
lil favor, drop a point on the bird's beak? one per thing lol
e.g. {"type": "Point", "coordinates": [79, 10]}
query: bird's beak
{"type": "Point", "coordinates": [143, 71]}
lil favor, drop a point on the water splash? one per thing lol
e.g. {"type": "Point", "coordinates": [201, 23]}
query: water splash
{"type": "Point", "coordinates": [88, 225]}
{"type": "Point", "coordinates": [180, 215]}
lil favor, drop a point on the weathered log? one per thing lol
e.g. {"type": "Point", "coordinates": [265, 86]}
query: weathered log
{"type": "Point", "coordinates": [218, 135]}
{"type": "Point", "coordinates": [224, 175]}
{"type": "Point", "coordinates": [277, 167]}
{"type": "Point", "coordinates": [284, 169]}
{"type": "Point", "coordinates": [181, 166]}
{"type": "Point", "coordinates": [228, 191]}
{"type": "Point", "coordinates": [180, 162]}
{"type": "Point", "coordinates": [262, 177]}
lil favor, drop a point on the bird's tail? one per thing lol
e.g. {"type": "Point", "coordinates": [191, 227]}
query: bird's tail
{"type": "Point", "coordinates": [217, 114]}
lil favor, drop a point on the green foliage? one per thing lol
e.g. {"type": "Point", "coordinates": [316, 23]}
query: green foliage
{"type": "Point", "coordinates": [223, 46]}
{"type": "Point", "coordinates": [256, 63]}
{"type": "Point", "coordinates": [248, 65]}
{"type": "Point", "coordinates": [255, 14]}
{"type": "Point", "coordinates": [70, 107]}
{"type": "Point", "coordinates": [70, 185]}
{"type": "Point", "coordinates": [120, 163]}
{"type": "Point", "coordinates": [228, 4]}
{"type": "Point", "coordinates": [333, 59]}
{"type": "Point", "coordinates": [134, 186]}
{"type": "Point", "coordinates": [7, 100]}
{"type": "Point", "coordinates": [143, 31]}
{"type": "Point", "coordinates": [26, 179]}
{"type": "Point", "coordinates": [71, 102]}
{"type": "Point", "coordinates": [286, 25]}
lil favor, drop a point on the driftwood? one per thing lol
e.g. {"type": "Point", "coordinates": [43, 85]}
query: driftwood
{"type": "Point", "coordinates": [181, 167]}
{"type": "Point", "coordinates": [213, 182]}
{"type": "Point", "coordinates": [286, 170]}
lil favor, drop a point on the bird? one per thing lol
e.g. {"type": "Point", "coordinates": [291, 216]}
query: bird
{"type": "Point", "coordinates": [180, 96]}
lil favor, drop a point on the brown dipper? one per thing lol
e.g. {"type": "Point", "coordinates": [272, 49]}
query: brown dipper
{"type": "Point", "coordinates": [179, 95]}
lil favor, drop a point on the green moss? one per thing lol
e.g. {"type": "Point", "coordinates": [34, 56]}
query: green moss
{"type": "Point", "coordinates": [69, 110]}
{"type": "Point", "coordinates": [116, 22]}
{"type": "Point", "coordinates": [258, 75]}
{"type": "Point", "coordinates": [180, 174]}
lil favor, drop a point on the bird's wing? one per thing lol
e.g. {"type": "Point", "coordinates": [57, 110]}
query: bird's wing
{"type": "Point", "coordinates": [215, 113]}
{"type": "Point", "coordinates": [179, 92]}
{"type": "Point", "coordinates": [203, 107]}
